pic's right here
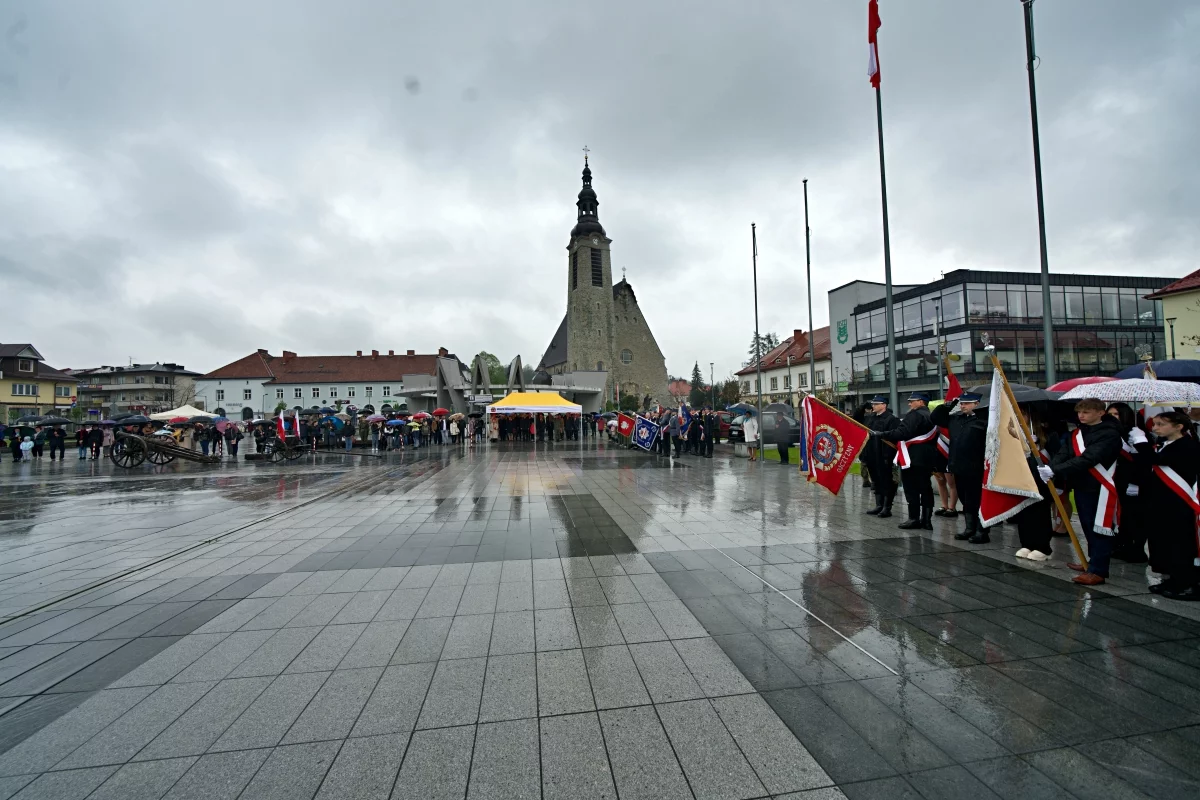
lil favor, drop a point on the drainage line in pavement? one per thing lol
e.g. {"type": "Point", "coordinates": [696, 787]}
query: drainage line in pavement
{"type": "Point", "coordinates": [802, 608]}
{"type": "Point", "coordinates": [188, 549]}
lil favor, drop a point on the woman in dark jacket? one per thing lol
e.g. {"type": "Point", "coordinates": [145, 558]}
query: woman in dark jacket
{"type": "Point", "coordinates": [1171, 490]}
{"type": "Point", "coordinates": [1034, 525]}
{"type": "Point", "coordinates": [1130, 544]}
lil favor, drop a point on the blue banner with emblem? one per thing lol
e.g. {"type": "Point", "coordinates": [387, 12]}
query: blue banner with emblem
{"type": "Point", "coordinates": [645, 433]}
{"type": "Point", "coordinates": [803, 446]}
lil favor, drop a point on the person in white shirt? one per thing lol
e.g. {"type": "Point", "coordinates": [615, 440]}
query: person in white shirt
{"type": "Point", "coordinates": [750, 430]}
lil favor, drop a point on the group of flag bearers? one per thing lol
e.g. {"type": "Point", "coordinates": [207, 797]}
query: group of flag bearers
{"type": "Point", "coordinates": [1008, 468]}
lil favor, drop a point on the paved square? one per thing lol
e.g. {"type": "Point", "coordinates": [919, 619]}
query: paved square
{"type": "Point", "coordinates": [523, 622]}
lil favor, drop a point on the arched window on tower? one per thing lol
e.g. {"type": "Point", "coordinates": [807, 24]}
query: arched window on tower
{"type": "Point", "coordinates": [599, 366]}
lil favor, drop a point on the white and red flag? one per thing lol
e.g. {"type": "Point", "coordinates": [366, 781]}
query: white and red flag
{"type": "Point", "coordinates": [873, 25]}
{"type": "Point", "coordinates": [625, 425]}
{"type": "Point", "coordinates": [1008, 482]}
{"type": "Point", "coordinates": [833, 440]}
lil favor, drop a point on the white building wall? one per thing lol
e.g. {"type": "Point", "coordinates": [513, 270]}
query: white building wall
{"type": "Point", "coordinates": [263, 398]}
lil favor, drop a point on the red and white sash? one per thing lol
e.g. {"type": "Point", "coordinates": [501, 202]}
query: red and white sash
{"type": "Point", "coordinates": [943, 442]}
{"type": "Point", "coordinates": [1187, 492]}
{"type": "Point", "coordinates": [902, 457]}
{"type": "Point", "coordinates": [1128, 451]}
{"type": "Point", "coordinates": [1108, 512]}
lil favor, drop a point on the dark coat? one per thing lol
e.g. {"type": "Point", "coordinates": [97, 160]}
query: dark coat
{"type": "Point", "coordinates": [968, 436]}
{"type": "Point", "coordinates": [915, 423]}
{"type": "Point", "coordinates": [875, 453]}
{"type": "Point", "coordinates": [1173, 532]}
{"type": "Point", "coordinates": [1102, 445]}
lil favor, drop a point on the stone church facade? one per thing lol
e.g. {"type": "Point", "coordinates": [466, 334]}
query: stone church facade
{"type": "Point", "coordinates": [604, 330]}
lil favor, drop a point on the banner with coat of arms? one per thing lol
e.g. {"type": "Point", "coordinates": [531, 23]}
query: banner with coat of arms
{"type": "Point", "coordinates": [834, 441]}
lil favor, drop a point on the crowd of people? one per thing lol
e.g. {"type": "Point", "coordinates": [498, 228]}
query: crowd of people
{"type": "Point", "coordinates": [546, 427]}
{"type": "Point", "coordinates": [1131, 480]}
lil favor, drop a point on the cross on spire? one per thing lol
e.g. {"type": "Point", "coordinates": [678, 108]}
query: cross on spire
{"type": "Point", "coordinates": [585, 154]}
{"type": "Point", "coordinates": [622, 273]}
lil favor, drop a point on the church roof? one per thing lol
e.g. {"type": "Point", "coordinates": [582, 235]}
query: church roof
{"type": "Point", "coordinates": [556, 353]}
{"type": "Point", "coordinates": [623, 286]}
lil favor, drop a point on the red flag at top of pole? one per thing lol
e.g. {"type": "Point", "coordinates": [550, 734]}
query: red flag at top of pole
{"type": "Point", "coordinates": [953, 387]}
{"type": "Point", "coordinates": [873, 25]}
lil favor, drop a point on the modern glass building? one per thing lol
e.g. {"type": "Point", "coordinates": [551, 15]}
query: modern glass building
{"type": "Point", "coordinates": [1098, 321]}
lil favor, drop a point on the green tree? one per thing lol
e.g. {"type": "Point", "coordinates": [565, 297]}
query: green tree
{"type": "Point", "coordinates": [497, 374]}
{"type": "Point", "coordinates": [630, 402]}
{"type": "Point", "coordinates": [698, 395]}
{"type": "Point", "coordinates": [731, 391]}
{"type": "Point", "coordinates": [76, 413]}
{"type": "Point", "coordinates": [280, 407]}
{"type": "Point", "coordinates": [761, 345]}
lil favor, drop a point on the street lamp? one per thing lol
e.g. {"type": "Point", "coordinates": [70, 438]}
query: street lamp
{"type": "Point", "coordinates": [791, 389]}
{"type": "Point", "coordinates": [1171, 325]}
{"type": "Point", "coordinates": [712, 385]}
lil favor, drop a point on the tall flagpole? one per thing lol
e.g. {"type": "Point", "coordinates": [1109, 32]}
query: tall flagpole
{"type": "Point", "coordinates": [1047, 322]}
{"type": "Point", "coordinates": [873, 25]}
{"type": "Point", "coordinates": [758, 353]}
{"type": "Point", "coordinates": [812, 355]}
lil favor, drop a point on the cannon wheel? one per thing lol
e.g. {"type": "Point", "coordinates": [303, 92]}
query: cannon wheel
{"type": "Point", "coordinates": [160, 457]}
{"type": "Point", "coordinates": [130, 454]}
{"type": "Point", "coordinates": [276, 452]}
{"type": "Point", "coordinates": [295, 452]}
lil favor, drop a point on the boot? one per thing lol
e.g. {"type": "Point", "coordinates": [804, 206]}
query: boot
{"type": "Point", "coordinates": [914, 519]}
{"type": "Point", "coordinates": [878, 505]}
{"type": "Point", "coordinates": [968, 530]}
{"type": "Point", "coordinates": [887, 507]}
{"type": "Point", "coordinates": [927, 518]}
{"type": "Point", "coordinates": [981, 537]}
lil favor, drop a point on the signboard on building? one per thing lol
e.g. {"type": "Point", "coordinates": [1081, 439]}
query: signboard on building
{"type": "Point", "coordinates": [479, 399]}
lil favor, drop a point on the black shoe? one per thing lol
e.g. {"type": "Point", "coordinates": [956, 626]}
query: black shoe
{"type": "Point", "coordinates": [875, 511]}
{"type": "Point", "coordinates": [949, 512]}
{"type": "Point", "coordinates": [964, 535]}
{"type": "Point", "coordinates": [887, 511]}
{"type": "Point", "coordinates": [941, 512]}
{"type": "Point", "coordinates": [1159, 588]}
{"type": "Point", "coordinates": [927, 519]}
{"type": "Point", "coordinates": [980, 538]}
{"type": "Point", "coordinates": [1190, 593]}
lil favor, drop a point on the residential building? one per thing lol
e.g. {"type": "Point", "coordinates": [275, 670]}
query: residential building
{"type": "Point", "coordinates": [261, 382]}
{"type": "Point", "coordinates": [1098, 321]}
{"type": "Point", "coordinates": [1181, 316]}
{"type": "Point", "coordinates": [30, 386]}
{"type": "Point", "coordinates": [785, 374]}
{"type": "Point", "coordinates": [139, 388]}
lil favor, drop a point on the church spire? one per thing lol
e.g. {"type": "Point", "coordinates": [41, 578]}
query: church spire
{"type": "Point", "coordinates": [588, 220]}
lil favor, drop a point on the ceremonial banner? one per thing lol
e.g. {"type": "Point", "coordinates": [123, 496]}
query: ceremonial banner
{"type": "Point", "coordinates": [1008, 483]}
{"type": "Point", "coordinates": [685, 419]}
{"type": "Point", "coordinates": [624, 425]}
{"type": "Point", "coordinates": [834, 441]}
{"type": "Point", "coordinates": [645, 433]}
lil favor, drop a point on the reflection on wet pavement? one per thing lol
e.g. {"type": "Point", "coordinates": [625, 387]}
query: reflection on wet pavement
{"type": "Point", "coordinates": [522, 622]}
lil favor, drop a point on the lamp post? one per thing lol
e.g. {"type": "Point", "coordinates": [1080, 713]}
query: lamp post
{"type": "Point", "coordinates": [712, 384]}
{"type": "Point", "coordinates": [1171, 325]}
{"type": "Point", "coordinates": [941, 349]}
{"type": "Point", "coordinates": [791, 389]}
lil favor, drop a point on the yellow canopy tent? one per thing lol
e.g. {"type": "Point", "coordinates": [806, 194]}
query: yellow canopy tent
{"type": "Point", "coordinates": [534, 403]}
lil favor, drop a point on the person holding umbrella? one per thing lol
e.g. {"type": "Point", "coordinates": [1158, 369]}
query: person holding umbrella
{"type": "Point", "coordinates": [81, 442]}
{"type": "Point", "coordinates": [58, 441]}
{"type": "Point", "coordinates": [95, 440]}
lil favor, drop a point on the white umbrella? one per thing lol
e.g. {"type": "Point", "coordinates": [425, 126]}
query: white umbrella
{"type": "Point", "coordinates": [1137, 390]}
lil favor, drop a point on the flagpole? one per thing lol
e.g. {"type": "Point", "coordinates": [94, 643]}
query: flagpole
{"type": "Point", "coordinates": [847, 418]}
{"type": "Point", "coordinates": [889, 319]}
{"type": "Point", "coordinates": [1047, 321]}
{"type": "Point", "coordinates": [812, 357]}
{"type": "Point", "coordinates": [757, 340]}
{"type": "Point", "coordinates": [1033, 448]}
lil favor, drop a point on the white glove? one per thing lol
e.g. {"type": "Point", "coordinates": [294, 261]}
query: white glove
{"type": "Point", "coordinates": [1045, 472]}
{"type": "Point", "coordinates": [1137, 436]}
{"type": "Point", "coordinates": [1132, 490]}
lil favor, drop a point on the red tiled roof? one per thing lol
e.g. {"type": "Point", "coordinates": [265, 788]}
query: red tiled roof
{"type": "Point", "coordinates": [255, 365]}
{"type": "Point", "coordinates": [1188, 283]}
{"type": "Point", "coordinates": [795, 346]}
{"type": "Point", "coordinates": [351, 369]}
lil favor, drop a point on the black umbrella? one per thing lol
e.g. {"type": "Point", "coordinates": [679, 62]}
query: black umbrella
{"type": "Point", "coordinates": [1021, 392]}
{"type": "Point", "coordinates": [201, 418]}
{"type": "Point", "coordinates": [122, 415]}
{"type": "Point", "coordinates": [55, 421]}
{"type": "Point", "coordinates": [132, 419]}
{"type": "Point", "coordinates": [30, 419]}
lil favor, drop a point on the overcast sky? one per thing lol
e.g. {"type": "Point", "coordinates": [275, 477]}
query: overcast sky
{"type": "Point", "coordinates": [189, 181]}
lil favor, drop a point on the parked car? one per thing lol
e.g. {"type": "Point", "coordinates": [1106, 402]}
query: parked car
{"type": "Point", "coordinates": [769, 434]}
{"type": "Point", "coordinates": [736, 434]}
{"type": "Point", "coordinates": [725, 418]}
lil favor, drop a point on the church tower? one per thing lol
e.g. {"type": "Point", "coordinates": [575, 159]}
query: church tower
{"type": "Point", "coordinates": [589, 286]}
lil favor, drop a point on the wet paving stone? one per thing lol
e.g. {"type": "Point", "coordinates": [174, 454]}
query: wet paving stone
{"type": "Point", "coordinates": [519, 621]}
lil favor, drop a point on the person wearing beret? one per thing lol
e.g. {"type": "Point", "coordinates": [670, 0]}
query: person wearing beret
{"type": "Point", "coordinates": [968, 435]}
{"type": "Point", "coordinates": [876, 456]}
{"type": "Point", "coordinates": [916, 446]}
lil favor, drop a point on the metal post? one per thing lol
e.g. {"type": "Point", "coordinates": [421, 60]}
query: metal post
{"type": "Point", "coordinates": [757, 339]}
{"type": "Point", "coordinates": [791, 389]}
{"type": "Point", "coordinates": [812, 356]}
{"type": "Point", "coordinates": [712, 385]}
{"type": "Point", "coordinates": [937, 338]}
{"type": "Point", "coordinates": [1171, 325]}
{"type": "Point", "coordinates": [889, 317]}
{"type": "Point", "coordinates": [1047, 321]}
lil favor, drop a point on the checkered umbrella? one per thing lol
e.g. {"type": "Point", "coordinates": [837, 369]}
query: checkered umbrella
{"type": "Point", "coordinates": [1138, 390]}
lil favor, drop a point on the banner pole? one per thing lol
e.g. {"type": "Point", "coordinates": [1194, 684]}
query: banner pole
{"type": "Point", "coordinates": [849, 419]}
{"type": "Point", "coordinates": [1062, 510]}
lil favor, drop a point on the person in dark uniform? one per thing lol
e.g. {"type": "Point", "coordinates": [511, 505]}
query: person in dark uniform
{"type": "Point", "coordinates": [783, 438]}
{"type": "Point", "coordinates": [712, 432]}
{"type": "Point", "coordinates": [1034, 525]}
{"type": "Point", "coordinates": [1171, 490]}
{"type": "Point", "coordinates": [915, 442]}
{"type": "Point", "coordinates": [1088, 466]}
{"type": "Point", "coordinates": [1130, 543]}
{"type": "Point", "coordinates": [968, 434]}
{"type": "Point", "coordinates": [876, 456]}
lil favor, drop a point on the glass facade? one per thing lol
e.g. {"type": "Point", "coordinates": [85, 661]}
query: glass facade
{"type": "Point", "coordinates": [1097, 329]}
